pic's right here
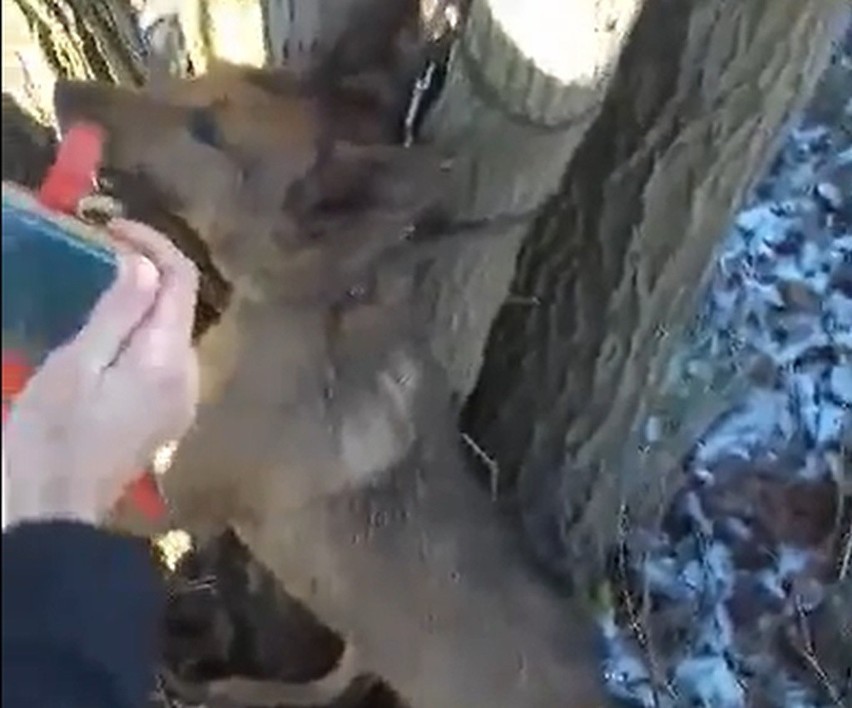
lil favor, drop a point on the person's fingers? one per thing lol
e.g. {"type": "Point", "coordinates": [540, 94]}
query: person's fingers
{"type": "Point", "coordinates": [174, 312]}
{"type": "Point", "coordinates": [184, 410]}
{"type": "Point", "coordinates": [143, 239]}
{"type": "Point", "coordinates": [118, 312]}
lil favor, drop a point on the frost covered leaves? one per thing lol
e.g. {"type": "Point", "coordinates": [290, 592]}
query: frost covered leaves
{"type": "Point", "coordinates": [721, 596]}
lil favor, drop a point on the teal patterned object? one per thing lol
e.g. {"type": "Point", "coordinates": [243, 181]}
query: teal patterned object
{"type": "Point", "coordinates": [52, 276]}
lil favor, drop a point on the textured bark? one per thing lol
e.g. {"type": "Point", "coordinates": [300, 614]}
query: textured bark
{"type": "Point", "coordinates": [612, 268]}
{"type": "Point", "coordinates": [517, 102]}
{"type": "Point", "coordinates": [45, 39]}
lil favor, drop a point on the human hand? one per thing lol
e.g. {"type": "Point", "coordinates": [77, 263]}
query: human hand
{"type": "Point", "coordinates": [92, 416]}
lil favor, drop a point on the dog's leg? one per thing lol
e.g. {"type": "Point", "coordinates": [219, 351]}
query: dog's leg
{"type": "Point", "coordinates": [434, 592]}
{"type": "Point", "coordinates": [239, 691]}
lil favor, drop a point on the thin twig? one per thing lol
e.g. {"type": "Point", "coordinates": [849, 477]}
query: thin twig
{"type": "Point", "coordinates": [846, 557]}
{"type": "Point", "coordinates": [488, 461]}
{"type": "Point", "coordinates": [809, 654]}
{"type": "Point", "coordinates": [528, 300]}
{"type": "Point", "coordinates": [187, 587]}
{"type": "Point", "coordinates": [162, 693]}
{"type": "Point", "coordinates": [639, 626]}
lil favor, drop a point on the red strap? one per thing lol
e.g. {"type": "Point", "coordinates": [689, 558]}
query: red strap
{"type": "Point", "coordinates": [72, 175]}
{"type": "Point", "coordinates": [144, 494]}
{"type": "Point", "coordinates": [16, 372]}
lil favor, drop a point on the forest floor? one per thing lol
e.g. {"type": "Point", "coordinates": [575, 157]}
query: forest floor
{"type": "Point", "coordinates": [744, 596]}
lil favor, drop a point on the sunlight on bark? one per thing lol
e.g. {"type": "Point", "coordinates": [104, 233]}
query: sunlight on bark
{"type": "Point", "coordinates": [589, 39]}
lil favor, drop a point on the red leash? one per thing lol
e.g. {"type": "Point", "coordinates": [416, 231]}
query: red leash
{"type": "Point", "coordinates": [71, 178]}
{"type": "Point", "coordinates": [75, 169]}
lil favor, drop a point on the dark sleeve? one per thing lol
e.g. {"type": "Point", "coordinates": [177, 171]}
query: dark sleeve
{"type": "Point", "coordinates": [81, 617]}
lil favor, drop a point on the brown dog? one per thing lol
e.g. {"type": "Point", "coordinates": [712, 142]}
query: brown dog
{"type": "Point", "coordinates": [327, 386]}
{"type": "Point", "coordinates": [315, 384]}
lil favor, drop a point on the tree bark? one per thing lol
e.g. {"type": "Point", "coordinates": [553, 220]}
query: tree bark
{"type": "Point", "coordinates": [46, 39]}
{"type": "Point", "coordinates": [611, 270]}
{"type": "Point", "coordinates": [517, 102]}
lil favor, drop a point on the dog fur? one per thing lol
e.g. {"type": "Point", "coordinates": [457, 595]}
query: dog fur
{"type": "Point", "coordinates": [327, 385]}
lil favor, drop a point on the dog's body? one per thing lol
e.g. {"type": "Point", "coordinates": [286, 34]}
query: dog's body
{"type": "Point", "coordinates": [328, 384]}
{"type": "Point", "coordinates": [315, 384]}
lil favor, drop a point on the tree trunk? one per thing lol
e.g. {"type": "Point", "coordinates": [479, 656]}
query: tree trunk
{"type": "Point", "coordinates": [518, 100]}
{"type": "Point", "coordinates": [45, 39]}
{"type": "Point", "coordinates": [610, 272]}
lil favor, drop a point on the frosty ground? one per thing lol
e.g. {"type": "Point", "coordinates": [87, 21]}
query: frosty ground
{"type": "Point", "coordinates": [728, 596]}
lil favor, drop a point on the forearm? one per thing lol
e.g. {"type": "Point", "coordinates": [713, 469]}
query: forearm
{"type": "Point", "coordinates": [81, 611]}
